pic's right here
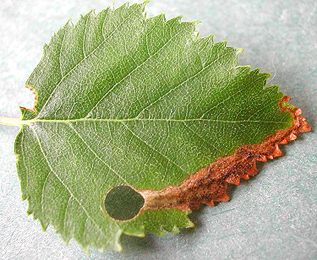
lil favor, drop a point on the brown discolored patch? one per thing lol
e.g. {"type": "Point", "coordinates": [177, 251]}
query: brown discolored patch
{"type": "Point", "coordinates": [209, 185]}
{"type": "Point", "coordinates": [33, 110]}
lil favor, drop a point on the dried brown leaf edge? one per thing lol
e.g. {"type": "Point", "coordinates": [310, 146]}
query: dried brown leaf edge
{"type": "Point", "coordinates": [209, 185]}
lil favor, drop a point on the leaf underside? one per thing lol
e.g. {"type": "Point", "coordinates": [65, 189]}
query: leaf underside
{"type": "Point", "coordinates": [127, 100]}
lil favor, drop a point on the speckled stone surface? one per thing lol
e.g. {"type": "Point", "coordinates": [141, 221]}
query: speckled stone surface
{"type": "Point", "coordinates": [272, 216]}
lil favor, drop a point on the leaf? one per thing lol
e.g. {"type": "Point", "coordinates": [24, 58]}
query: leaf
{"type": "Point", "coordinates": [138, 121]}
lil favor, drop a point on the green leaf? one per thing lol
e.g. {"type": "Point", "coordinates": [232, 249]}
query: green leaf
{"type": "Point", "coordinates": [129, 101]}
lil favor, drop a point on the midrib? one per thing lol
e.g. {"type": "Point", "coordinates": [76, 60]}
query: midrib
{"type": "Point", "coordinates": [114, 120]}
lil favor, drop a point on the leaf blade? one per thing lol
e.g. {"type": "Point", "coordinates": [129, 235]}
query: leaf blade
{"type": "Point", "coordinates": [124, 99]}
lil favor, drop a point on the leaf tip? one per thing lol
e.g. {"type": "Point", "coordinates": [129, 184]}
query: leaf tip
{"type": "Point", "coordinates": [44, 225]}
{"type": "Point", "coordinates": [239, 50]}
{"type": "Point", "coordinates": [117, 246]}
{"type": "Point", "coordinates": [141, 5]}
{"type": "Point", "coordinates": [69, 23]}
{"type": "Point", "coordinates": [92, 12]}
{"type": "Point", "coordinates": [191, 224]}
{"type": "Point", "coordinates": [178, 18]}
{"type": "Point", "coordinates": [196, 22]}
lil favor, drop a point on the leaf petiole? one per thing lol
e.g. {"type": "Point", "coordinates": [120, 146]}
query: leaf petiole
{"type": "Point", "coordinates": [10, 121]}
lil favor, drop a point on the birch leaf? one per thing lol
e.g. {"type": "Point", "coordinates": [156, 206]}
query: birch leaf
{"type": "Point", "coordinates": [137, 122]}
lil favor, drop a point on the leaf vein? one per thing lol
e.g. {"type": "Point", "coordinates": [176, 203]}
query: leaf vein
{"type": "Point", "coordinates": [64, 185]}
{"type": "Point", "coordinates": [152, 148]}
{"type": "Point", "coordinates": [129, 73]}
{"type": "Point", "coordinates": [96, 155]}
{"type": "Point", "coordinates": [81, 61]}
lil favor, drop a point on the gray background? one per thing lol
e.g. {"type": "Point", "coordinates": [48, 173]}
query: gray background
{"type": "Point", "coordinates": [272, 216]}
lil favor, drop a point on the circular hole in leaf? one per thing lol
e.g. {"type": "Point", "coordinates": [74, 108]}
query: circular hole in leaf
{"type": "Point", "coordinates": [123, 203]}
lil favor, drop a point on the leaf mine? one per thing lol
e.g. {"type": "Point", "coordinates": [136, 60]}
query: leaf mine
{"type": "Point", "coordinates": [209, 185]}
